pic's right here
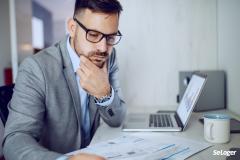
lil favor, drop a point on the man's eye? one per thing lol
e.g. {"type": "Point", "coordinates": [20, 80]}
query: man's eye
{"type": "Point", "coordinates": [111, 38]}
{"type": "Point", "coordinates": [93, 34]}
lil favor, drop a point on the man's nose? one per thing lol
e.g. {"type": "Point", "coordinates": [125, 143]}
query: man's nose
{"type": "Point", "coordinates": [102, 45]}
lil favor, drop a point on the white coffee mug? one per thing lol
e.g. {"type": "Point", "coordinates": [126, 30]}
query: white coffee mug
{"type": "Point", "coordinates": [217, 128]}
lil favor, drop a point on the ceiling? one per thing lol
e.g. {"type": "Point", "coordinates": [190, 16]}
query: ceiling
{"type": "Point", "coordinates": [61, 9]}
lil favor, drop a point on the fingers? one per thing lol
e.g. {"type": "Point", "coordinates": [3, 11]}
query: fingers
{"type": "Point", "coordinates": [87, 62]}
{"type": "Point", "coordinates": [84, 68]}
{"type": "Point", "coordinates": [81, 73]}
{"type": "Point", "coordinates": [86, 156]}
{"type": "Point", "coordinates": [83, 79]}
{"type": "Point", "coordinates": [105, 67]}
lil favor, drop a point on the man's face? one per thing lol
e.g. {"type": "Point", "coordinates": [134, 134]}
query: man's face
{"type": "Point", "coordinates": [106, 23]}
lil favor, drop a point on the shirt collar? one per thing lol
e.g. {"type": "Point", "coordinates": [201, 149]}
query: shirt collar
{"type": "Point", "coordinates": [75, 59]}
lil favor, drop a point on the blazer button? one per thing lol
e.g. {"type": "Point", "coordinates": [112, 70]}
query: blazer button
{"type": "Point", "coordinates": [110, 112]}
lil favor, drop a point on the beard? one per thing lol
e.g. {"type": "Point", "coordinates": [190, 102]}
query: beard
{"type": "Point", "coordinates": [96, 57]}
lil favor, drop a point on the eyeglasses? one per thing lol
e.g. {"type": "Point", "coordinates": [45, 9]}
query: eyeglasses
{"type": "Point", "coordinates": [96, 36]}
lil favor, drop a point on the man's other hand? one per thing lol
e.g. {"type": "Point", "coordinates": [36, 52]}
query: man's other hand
{"type": "Point", "coordinates": [85, 156]}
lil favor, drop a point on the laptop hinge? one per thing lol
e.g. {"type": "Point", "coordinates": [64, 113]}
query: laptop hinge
{"type": "Point", "coordinates": [179, 122]}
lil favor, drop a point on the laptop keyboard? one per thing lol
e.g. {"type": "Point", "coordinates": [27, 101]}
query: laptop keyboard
{"type": "Point", "coordinates": [160, 120]}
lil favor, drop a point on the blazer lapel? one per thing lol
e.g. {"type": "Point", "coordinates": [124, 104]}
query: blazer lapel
{"type": "Point", "coordinates": [72, 84]}
{"type": "Point", "coordinates": [70, 78]}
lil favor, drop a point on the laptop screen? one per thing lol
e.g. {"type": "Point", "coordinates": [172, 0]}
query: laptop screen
{"type": "Point", "coordinates": [190, 97]}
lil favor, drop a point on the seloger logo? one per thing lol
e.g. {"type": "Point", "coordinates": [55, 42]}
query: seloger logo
{"type": "Point", "coordinates": [223, 153]}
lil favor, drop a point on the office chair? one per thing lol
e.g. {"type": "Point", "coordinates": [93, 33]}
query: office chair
{"type": "Point", "coordinates": [5, 96]}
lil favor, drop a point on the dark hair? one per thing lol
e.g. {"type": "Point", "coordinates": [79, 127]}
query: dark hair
{"type": "Point", "coordinates": [106, 6]}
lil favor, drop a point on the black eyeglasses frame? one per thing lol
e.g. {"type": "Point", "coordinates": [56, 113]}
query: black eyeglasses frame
{"type": "Point", "coordinates": [118, 33]}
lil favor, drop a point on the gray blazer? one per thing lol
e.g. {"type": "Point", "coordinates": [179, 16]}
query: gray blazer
{"type": "Point", "coordinates": [44, 119]}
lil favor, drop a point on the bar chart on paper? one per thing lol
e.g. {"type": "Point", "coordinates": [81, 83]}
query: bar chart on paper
{"type": "Point", "coordinates": [130, 147]}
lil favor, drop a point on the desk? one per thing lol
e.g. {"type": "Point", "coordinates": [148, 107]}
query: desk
{"type": "Point", "coordinates": [194, 131]}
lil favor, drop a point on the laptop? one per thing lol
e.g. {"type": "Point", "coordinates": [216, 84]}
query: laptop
{"type": "Point", "coordinates": [169, 120]}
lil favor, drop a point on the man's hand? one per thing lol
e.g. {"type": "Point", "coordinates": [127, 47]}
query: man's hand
{"type": "Point", "coordinates": [85, 156]}
{"type": "Point", "coordinates": [93, 79]}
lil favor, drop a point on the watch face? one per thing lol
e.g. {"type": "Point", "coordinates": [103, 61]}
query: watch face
{"type": "Point", "coordinates": [102, 99]}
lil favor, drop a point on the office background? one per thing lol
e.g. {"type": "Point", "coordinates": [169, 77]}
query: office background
{"type": "Point", "coordinates": [161, 38]}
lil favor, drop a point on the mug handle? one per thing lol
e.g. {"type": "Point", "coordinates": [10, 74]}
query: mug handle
{"type": "Point", "coordinates": [209, 131]}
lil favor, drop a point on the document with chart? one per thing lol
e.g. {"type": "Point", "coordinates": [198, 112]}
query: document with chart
{"type": "Point", "coordinates": [130, 147]}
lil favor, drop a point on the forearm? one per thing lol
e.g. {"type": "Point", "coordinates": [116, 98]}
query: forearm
{"type": "Point", "coordinates": [21, 146]}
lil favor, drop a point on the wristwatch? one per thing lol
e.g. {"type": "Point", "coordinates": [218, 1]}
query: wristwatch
{"type": "Point", "coordinates": [104, 98]}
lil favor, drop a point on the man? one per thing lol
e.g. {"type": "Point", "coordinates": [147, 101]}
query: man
{"type": "Point", "coordinates": [61, 92]}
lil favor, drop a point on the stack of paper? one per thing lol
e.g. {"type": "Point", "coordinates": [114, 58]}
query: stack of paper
{"type": "Point", "coordinates": [137, 148]}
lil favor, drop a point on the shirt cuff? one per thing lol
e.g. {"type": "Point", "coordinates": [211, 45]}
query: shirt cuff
{"type": "Point", "coordinates": [108, 102]}
{"type": "Point", "coordinates": [63, 158]}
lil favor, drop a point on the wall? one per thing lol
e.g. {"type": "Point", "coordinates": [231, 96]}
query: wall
{"type": "Point", "coordinates": [46, 16]}
{"type": "Point", "coordinates": [160, 38]}
{"type": "Point", "coordinates": [5, 50]}
{"type": "Point", "coordinates": [24, 28]}
{"type": "Point", "coordinates": [59, 30]}
{"type": "Point", "coordinates": [228, 48]}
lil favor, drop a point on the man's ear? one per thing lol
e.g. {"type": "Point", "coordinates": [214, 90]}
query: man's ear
{"type": "Point", "coordinates": [71, 25]}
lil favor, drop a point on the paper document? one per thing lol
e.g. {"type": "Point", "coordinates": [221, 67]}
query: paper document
{"type": "Point", "coordinates": [130, 147]}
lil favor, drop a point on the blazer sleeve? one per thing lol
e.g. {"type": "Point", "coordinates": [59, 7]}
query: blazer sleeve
{"type": "Point", "coordinates": [26, 116]}
{"type": "Point", "coordinates": [114, 113]}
